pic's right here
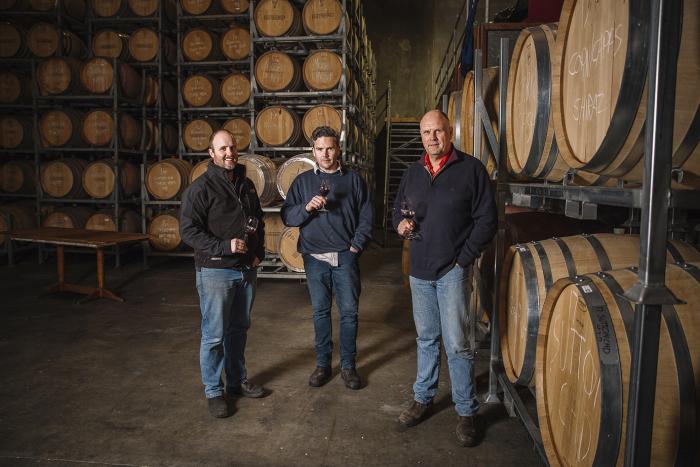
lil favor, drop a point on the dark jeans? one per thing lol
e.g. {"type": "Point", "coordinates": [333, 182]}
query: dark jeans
{"type": "Point", "coordinates": [323, 280]}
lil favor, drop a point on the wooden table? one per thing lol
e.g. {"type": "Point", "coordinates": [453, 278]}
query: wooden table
{"type": "Point", "coordinates": [79, 238]}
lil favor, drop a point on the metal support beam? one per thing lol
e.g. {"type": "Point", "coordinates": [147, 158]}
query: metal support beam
{"type": "Point", "coordinates": [650, 292]}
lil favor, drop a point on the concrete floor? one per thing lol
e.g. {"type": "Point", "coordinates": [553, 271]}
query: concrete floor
{"type": "Point", "coordinates": [107, 383]}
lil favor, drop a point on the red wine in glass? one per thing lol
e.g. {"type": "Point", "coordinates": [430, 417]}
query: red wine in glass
{"type": "Point", "coordinates": [407, 212]}
{"type": "Point", "coordinates": [323, 190]}
{"type": "Point", "coordinates": [251, 226]}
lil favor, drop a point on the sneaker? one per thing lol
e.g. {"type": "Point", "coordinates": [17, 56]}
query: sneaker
{"type": "Point", "coordinates": [218, 407]}
{"type": "Point", "coordinates": [414, 414]}
{"type": "Point", "coordinates": [320, 376]}
{"type": "Point", "coordinates": [248, 389]}
{"type": "Point", "coordinates": [351, 378]}
{"type": "Point", "coordinates": [468, 431]}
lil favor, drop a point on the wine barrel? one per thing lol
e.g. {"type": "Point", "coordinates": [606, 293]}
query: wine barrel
{"type": "Point", "coordinates": [15, 132]}
{"type": "Point", "coordinates": [144, 45]}
{"type": "Point", "coordinates": [169, 137]}
{"type": "Point", "coordinates": [235, 7]}
{"type": "Point", "coordinates": [199, 169]}
{"type": "Point", "coordinates": [287, 248]}
{"type": "Point", "coordinates": [201, 91]}
{"type": "Point", "coordinates": [164, 231]}
{"type": "Point", "coordinates": [67, 217]}
{"type": "Point", "coordinates": [235, 89]}
{"type": "Point", "coordinates": [599, 89]}
{"type": "Point", "coordinates": [274, 18]}
{"type": "Point", "coordinates": [62, 178]}
{"type": "Point", "coordinates": [107, 43]}
{"type": "Point", "coordinates": [273, 230]}
{"type": "Point", "coordinates": [148, 7]}
{"type": "Point", "coordinates": [277, 126]}
{"type": "Point", "coordinates": [14, 87]}
{"type": "Point", "coordinates": [584, 355]}
{"type": "Point", "coordinates": [466, 116]}
{"type": "Point", "coordinates": [235, 43]}
{"type": "Point", "coordinates": [58, 75]}
{"type": "Point", "coordinates": [97, 76]}
{"type": "Point", "coordinates": [322, 70]}
{"type": "Point", "coordinates": [153, 91]}
{"type": "Point", "coordinates": [99, 179]}
{"type": "Point", "coordinates": [292, 167]}
{"type": "Point", "coordinates": [320, 115]}
{"type": "Point", "coordinates": [98, 129]}
{"type": "Point", "coordinates": [58, 128]}
{"type": "Point", "coordinates": [277, 71]}
{"type": "Point", "coordinates": [45, 40]}
{"type": "Point", "coordinates": [105, 220]}
{"type": "Point", "coordinates": [322, 17]}
{"type": "Point", "coordinates": [168, 178]}
{"type": "Point", "coordinates": [199, 44]}
{"type": "Point", "coordinates": [18, 215]}
{"type": "Point", "coordinates": [196, 134]}
{"type": "Point", "coordinates": [73, 8]}
{"type": "Point", "coordinates": [262, 172]}
{"type": "Point", "coordinates": [168, 140]}
{"type": "Point", "coordinates": [108, 8]}
{"type": "Point", "coordinates": [18, 177]}
{"type": "Point", "coordinates": [454, 100]}
{"type": "Point", "coordinates": [533, 150]}
{"type": "Point", "coordinates": [240, 128]}
{"type": "Point", "coordinates": [12, 41]}
{"type": "Point", "coordinates": [199, 7]}
{"type": "Point", "coordinates": [529, 272]}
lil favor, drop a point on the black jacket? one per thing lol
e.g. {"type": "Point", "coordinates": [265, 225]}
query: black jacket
{"type": "Point", "coordinates": [455, 214]}
{"type": "Point", "coordinates": [214, 211]}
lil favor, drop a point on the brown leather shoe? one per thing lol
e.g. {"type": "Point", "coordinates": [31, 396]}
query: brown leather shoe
{"type": "Point", "coordinates": [414, 414]}
{"type": "Point", "coordinates": [468, 432]}
{"type": "Point", "coordinates": [351, 378]}
{"type": "Point", "coordinates": [218, 407]}
{"type": "Point", "coordinates": [320, 376]}
{"type": "Point", "coordinates": [248, 389]}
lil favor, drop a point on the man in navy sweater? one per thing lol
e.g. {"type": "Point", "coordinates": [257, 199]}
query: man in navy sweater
{"type": "Point", "coordinates": [455, 219]}
{"type": "Point", "coordinates": [335, 227]}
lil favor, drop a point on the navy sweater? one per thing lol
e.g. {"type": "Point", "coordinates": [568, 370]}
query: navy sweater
{"type": "Point", "coordinates": [455, 213]}
{"type": "Point", "coordinates": [348, 221]}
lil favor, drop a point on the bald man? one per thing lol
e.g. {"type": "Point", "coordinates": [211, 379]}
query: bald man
{"type": "Point", "coordinates": [454, 219]}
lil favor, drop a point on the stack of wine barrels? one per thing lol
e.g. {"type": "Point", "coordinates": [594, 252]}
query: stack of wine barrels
{"type": "Point", "coordinates": [68, 217]}
{"type": "Point", "coordinates": [168, 178]}
{"type": "Point", "coordinates": [99, 179]}
{"type": "Point", "coordinates": [63, 178]}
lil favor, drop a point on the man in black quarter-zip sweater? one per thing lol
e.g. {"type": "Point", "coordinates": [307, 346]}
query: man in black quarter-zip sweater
{"type": "Point", "coordinates": [335, 227]}
{"type": "Point", "coordinates": [213, 218]}
{"type": "Point", "coordinates": [445, 202]}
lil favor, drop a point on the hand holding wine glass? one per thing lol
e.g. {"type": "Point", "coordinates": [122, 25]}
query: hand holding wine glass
{"type": "Point", "coordinates": [323, 191]}
{"type": "Point", "coordinates": [408, 213]}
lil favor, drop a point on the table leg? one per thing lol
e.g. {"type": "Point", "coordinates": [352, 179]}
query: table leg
{"type": "Point", "coordinates": [101, 292]}
{"type": "Point", "coordinates": [60, 271]}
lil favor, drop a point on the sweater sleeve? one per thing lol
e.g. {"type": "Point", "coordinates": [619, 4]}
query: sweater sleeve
{"type": "Point", "coordinates": [293, 211]}
{"type": "Point", "coordinates": [363, 233]}
{"type": "Point", "coordinates": [484, 217]}
{"type": "Point", "coordinates": [193, 225]}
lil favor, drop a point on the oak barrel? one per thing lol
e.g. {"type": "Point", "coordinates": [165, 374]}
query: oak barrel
{"type": "Point", "coordinates": [235, 43]}
{"type": "Point", "coordinates": [275, 18]}
{"type": "Point", "coordinates": [153, 136]}
{"type": "Point", "coordinates": [262, 172]}
{"type": "Point", "coordinates": [98, 129]}
{"type": "Point", "coordinates": [58, 75]}
{"type": "Point", "coordinates": [46, 39]}
{"type": "Point", "coordinates": [277, 126]}
{"type": "Point", "coordinates": [196, 134]}
{"type": "Point", "coordinates": [63, 178]}
{"type": "Point", "coordinates": [14, 87]}
{"type": "Point", "coordinates": [583, 370]}
{"type": "Point", "coordinates": [164, 231]}
{"type": "Point", "coordinates": [530, 270]}
{"type": "Point", "coordinates": [277, 71]}
{"type": "Point", "coordinates": [107, 43]}
{"type": "Point", "coordinates": [97, 77]}
{"type": "Point", "coordinates": [15, 132]}
{"type": "Point", "coordinates": [287, 172]}
{"type": "Point", "coordinates": [198, 7]}
{"type": "Point", "coordinates": [168, 93]}
{"type": "Point", "coordinates": [322, 70]}
{"type": "Point", "coordinates": [466, 116]}
{"type": "Point", "coordinates": [201, 91]}
{"type": "Point", "coordinates": [20, 214]}
{"type": "Point", "coordinates": [235, 7]}
{"type": "Point", "coordinates": [108, 8]}
{"type": "Point", "coordinates": [167, 179]}
{"type": "Point", "coordinates": [240, 128]}
{"type": "Point", "coordinates": [150, 7]}
{"type": "Point", "coordinates": [199, 169]}
{"type": "Point", "coordinates": [320, 115]}
{"type": "Point", "coordinates": [18, 177]}
{"type": "Point", "coordinates": [287, 249]}
{"type": "Point", "coordinates": [199, 44]}
{"type": "Point", "coordinates": [104, 220]}
{"type": "Point", "coordinates": [235, 89]}
{"type": "Point", "coordinates": [322, 17]}
{"type": "Point", "coordinates": [273, 230]}
{"type": "Point", "coordinates": [144, 45]}
{"type": "Point", "coordinates": [99, 179]}
{"type": "Point", "coordinates": [13, 41]}
{"type": "Point", "coordinates": [59, 128]}
{"type": "Point", "coordinates": [73, 8]}
{"type": "Point", "coordinates": [67, 217]}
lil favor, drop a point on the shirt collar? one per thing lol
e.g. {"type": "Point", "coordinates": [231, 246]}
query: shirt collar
{"type": "Point", "coordinates": [444, 159]}
{"type": "Point", "coordinates": [340, 169]}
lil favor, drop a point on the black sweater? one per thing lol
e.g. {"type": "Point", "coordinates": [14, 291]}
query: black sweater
{"type": "Point", "coordinates": [214, 211]}
{"type": "Point", "coordinates": [348, 221]}
{"type": "Point", "coordinates": [455, 214]}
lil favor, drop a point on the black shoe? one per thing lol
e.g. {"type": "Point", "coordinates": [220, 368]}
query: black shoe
{"type": "Point", "coordinates": [468, 432]}
{"type": "Point", "coordinates": [218, 407]}
{"type": "Point", "coordinates": [320, 376]}
{"type": "Point", "coordinates": [248, 389]}
{"type": "Point", "coordinates": [414, 414]}
{"type": "Point", "coordinates": [351, 378]}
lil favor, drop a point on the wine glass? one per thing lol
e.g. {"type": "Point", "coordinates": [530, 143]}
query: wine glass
{"type": "Point", "coordinates": [323, 190]}
{"type": "Point", "coordinates": [408, 212]}
{"type": "Point", "coordinates": [251, 226]}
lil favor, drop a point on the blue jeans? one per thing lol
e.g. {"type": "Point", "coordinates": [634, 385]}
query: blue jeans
{"type": "Point", "coordinates": [440, 308]}
{"type": "Point", "coordinates": [225, 300]}
{"type": "Point", "coordinates": [322, 280]}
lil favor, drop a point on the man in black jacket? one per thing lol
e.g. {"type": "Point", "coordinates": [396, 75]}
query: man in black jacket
{"type": "Point", "coordinates": [215, 211]}
{"type": "Point", "coordinates": [335, 226]}
{"type": "Point", "coordinates": [454, 218]}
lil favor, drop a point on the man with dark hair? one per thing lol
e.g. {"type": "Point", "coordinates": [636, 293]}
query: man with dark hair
{"type": "Point", "coordinates": [215, 211]}
{"type": "Point", "coordinates": [448, 206]}
{"type": "Point", "coordinates": [332, 207]}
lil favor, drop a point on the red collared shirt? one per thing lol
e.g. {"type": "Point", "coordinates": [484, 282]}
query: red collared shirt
{"type": "Point", "coordinates": [429, 165]}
